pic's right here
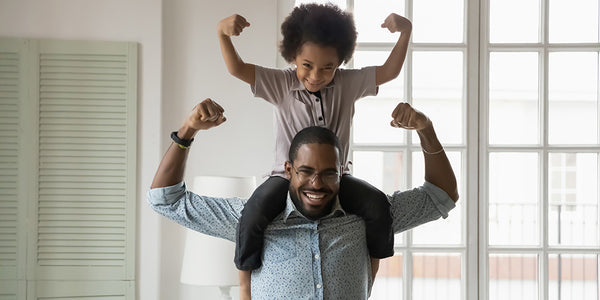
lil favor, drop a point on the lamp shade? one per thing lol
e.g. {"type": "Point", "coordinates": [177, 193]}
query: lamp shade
{"type": "Point", "coordinates": [208, 261]}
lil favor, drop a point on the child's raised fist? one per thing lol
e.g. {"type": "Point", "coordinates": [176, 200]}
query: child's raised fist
{"type": "Point", "coordinates": [232, 25]}
{"type": "Point", "coordinates": [397, 23]}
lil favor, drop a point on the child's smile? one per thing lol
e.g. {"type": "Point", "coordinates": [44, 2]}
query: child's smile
{"type": "Point", "coordinates": [316, 65]}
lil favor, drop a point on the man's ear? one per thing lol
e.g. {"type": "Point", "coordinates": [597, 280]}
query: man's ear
{"type": "Point", "coordinates": [288, 169]}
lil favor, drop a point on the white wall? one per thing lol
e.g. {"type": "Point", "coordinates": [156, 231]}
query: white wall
{"type": "Point", "coordinates": [179, 64]}
{"type": "Point", "coordinates": [192, 71]}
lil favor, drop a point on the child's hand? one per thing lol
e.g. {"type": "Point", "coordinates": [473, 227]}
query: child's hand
{"type": "Point", "coordinates": [233, 25]}
{"type": "Point", "coordinates": [405, 116]}
{"type": "Point", "coordinates": [397, 23]}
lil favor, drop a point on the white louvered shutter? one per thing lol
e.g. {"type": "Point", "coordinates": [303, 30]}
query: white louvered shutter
{"type": "Point", "coordinates": [13, 204]}
{"type": "Point", "coordinates": [73, 202]}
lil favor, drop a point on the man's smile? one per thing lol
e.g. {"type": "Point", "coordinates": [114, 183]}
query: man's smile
{"type": "Point", "coordinates": [314, 197]}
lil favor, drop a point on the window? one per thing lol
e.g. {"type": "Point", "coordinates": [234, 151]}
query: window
{"type": "Point", "coordinates": [513, 89]}
{"type": "Point", "coordinates": [430, 260]}
{"type": "Point", "coordinates": [539, 160]}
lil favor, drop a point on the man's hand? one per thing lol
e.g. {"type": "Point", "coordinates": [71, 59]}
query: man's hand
{"type": "Point", "coordinates": [205, 115]}
{"type": "Point", "coordinates": [405, 116]}
{"type": "Point", "coordinates": [232, 25]}
{"type": "Point", "coordinates": [397, 23]}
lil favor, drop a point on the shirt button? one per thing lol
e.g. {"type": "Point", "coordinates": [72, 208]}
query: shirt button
{"type": "Point", "coordinates": [317, 99]}
{"type": "Point", "coordinates": [320, 118]}
{"type": "Point", "coordinates": [318, 286]}
{"type": "Point", "coordinates": [316, 256]}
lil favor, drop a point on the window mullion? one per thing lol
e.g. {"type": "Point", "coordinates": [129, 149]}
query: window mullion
{"type": "Point", "coordinates": [483, 152]}
{"type": "Point", "coordinates": [471, 229]}
{"type": "Point", "coordinates": [544, 109]}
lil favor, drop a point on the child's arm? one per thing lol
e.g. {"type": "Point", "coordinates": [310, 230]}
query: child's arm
{"type": "Point", "coordinates": [392, 66]}
{"type": "Point", "coordinates": [227, 27]}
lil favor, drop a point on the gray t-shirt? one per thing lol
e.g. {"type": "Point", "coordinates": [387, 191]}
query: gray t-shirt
{"type": "Point", "coordinates": [297, 109]}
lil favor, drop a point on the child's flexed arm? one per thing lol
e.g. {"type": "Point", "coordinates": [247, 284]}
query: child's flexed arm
{"type": "Point", "coordinates": [391, 68]}
{"type": "Point", "coordinates": [227, 27]}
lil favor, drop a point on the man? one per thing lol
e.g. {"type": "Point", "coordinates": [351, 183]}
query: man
{"type": "Point", "coordinates": [313, 250]}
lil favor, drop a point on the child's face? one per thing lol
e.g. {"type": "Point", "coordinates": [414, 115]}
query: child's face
{"type": "Point", "coordinates": [316, 65]}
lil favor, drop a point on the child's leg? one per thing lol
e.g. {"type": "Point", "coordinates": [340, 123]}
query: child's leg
{"type": "Point", "coordinates": [245, 290]}
{"type": "Point", "coordinates": [267, 201]}
{"type": "Point", "coordinates": [360, 198]}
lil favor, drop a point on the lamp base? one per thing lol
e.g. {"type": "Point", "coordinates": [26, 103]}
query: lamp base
{"type": "Point", "coordinates": [225, 292]}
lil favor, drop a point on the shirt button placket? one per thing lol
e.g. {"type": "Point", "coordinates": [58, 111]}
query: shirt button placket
{"type": "Point", "coordinates": [319, 111]}
{"type": "Point", "coordinates": [317, 271]}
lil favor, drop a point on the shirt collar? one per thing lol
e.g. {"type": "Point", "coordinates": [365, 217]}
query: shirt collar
{"type": "Point", "coordinates": [291, 210]}
{"type": "Point", "coordinates": [298, 86]}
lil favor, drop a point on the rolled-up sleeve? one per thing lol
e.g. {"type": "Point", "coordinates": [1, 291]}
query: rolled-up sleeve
{"type": "Point", "coordinates": [419, 206]}
{"type": "Point", "coordinates": [217, 217]}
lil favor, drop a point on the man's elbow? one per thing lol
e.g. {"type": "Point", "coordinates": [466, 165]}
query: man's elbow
{"type": "Point", "coordinates": [454, 196]}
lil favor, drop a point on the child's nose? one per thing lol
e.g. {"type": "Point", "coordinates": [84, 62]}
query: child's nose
{"type": "Point", "coordinates": [316, 74]}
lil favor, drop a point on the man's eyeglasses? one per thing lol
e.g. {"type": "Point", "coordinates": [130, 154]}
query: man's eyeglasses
{"type": "Point", "coordinates": [328, 177]}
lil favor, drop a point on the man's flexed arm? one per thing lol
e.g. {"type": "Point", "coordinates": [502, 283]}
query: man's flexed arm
{"type": "Point", "coordinates": [438, 170]}
{"type": "Point", "coordinates": [234, 25]}
{"type": "Point", "coordinates": [205, 115]}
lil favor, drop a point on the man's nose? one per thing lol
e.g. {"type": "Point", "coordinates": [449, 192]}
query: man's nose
{"type": "Point", "coordinates": [316, 180]}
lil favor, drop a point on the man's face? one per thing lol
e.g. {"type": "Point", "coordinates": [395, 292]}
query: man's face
{"type": "Point", "coordinates": [316, 65]}
{"type": "Point", "coordinates": [314, 179]}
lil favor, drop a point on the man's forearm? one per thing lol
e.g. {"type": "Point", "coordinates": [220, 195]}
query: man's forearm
{"type": "Point", "coordinates": [172, 166]}
{"type": "Point", "coordinates": [438, 170]}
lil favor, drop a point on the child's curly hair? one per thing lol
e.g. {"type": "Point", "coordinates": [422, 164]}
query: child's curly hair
{"type": "Point", "coordinates": [323, 24]}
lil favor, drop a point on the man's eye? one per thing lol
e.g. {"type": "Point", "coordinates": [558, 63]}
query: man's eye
{"type": "Point", "coordinates": [305, 172]}
{"type": "Point", "coordinates": [306, 66]}
{"type": "Point", "coordinates": [330, 174]}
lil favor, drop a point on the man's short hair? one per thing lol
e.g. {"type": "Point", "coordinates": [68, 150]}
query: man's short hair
{"type": "Point", "coordinates": [313, 135]}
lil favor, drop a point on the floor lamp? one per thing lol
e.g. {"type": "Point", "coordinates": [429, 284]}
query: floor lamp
{"type": "Point", "coordinates": [208, 261]}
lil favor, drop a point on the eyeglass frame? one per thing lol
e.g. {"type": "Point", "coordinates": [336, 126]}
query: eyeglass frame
{"type": "Point", "coordinates": [314, 175]}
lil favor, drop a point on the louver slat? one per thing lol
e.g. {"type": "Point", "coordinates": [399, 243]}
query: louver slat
{"type": "Point", "coordinates": [9, 158]}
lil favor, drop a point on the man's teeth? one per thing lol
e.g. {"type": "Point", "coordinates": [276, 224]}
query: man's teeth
{"type": "Point", "coordinates": [313, 196]}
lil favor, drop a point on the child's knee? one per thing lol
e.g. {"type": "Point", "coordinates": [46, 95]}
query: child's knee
{"type": "Point", "coordinates": [379, 209]}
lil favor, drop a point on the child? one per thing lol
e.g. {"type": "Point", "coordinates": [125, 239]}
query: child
{"type": "Point", "coordinates": [317, 39]}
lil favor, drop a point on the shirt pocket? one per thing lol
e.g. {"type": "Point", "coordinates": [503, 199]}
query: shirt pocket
{"type": "Point", "coordinates": [279, 247]}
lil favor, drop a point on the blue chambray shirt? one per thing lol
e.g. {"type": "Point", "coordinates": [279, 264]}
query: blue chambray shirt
{"type": "Point", "coordinates": [302, 258]}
